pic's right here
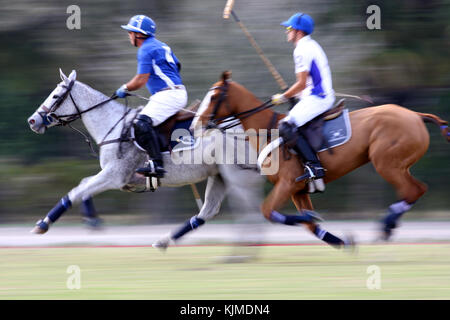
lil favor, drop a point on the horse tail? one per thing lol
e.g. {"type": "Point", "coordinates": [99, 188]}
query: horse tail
{"type": "Point", "coordinates": [428, 117]}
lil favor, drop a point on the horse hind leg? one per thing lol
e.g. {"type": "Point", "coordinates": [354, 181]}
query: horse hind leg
{"type": "Point", "coordinates": [409, 190]}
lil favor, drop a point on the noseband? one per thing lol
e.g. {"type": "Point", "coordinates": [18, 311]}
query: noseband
{"type": "Point", "coordinates": [49, 116]}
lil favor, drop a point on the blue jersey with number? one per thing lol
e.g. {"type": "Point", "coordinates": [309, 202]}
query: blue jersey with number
{"type": "Point", "coordinates": [156, 57]}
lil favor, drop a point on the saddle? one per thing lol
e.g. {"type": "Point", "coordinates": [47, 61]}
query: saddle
{"type": "Point", "coordinates": [313, 130]}
{"type": "Point", "coordinates": [181, 120]}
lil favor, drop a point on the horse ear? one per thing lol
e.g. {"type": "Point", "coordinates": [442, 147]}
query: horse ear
{"type": "Point", "coordinates": [63, 76]}
{"type": "Point", "coordinates": [226, 75]}
{"type": "Point", "coordinates": [73, 75]}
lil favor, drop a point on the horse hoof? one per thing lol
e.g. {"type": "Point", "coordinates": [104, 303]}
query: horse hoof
{"type": "Point", "coordinates": [163, 243]}
{"type": "Point", "coordinates": [93, 223]}
{"type": "Point", "coordinates": [385, 234]}
{"type": "Point", "coordinates": [40, 228]}
{"type": "Point", "coordinates": [350, 244]}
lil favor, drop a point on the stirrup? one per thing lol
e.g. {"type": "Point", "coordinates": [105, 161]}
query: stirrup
{"type": "Point", "coordinates": [151, 170]}
{"type": "Point", "coordinates": [310, 173]}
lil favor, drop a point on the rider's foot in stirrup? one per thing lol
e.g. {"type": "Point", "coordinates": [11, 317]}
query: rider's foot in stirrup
{"type": "Point", "coordinates": [152, 170]}
{"type": "Point", "coordinates": [312, 172]}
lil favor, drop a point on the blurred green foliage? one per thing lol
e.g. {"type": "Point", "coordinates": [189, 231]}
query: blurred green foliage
{"type": "Point", "coordinates": [406, 62]}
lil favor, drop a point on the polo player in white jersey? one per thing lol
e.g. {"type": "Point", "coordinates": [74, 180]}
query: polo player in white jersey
{"type": "Point", "coordinates": [313, 87]}
{"type": "Point", "coordinates": [159, 69]}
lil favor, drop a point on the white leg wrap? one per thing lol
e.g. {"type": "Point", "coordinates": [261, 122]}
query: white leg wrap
{"type": "Point", "coordinates": [400, 207]}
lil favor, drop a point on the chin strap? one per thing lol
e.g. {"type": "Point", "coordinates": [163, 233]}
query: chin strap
{"type": "Point", "coordinates": [136, 37]}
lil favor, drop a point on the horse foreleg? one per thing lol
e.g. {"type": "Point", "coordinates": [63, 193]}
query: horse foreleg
{"type": "Point", "coordinates": [97, 184]}
{"type": "Point", "coordinates": [214, 195]}
{"type": "Point", "coordinates": [278, 196]}
{"type": "Point", "coordinates": [90, 217]}
{"type": "Point", "coordinates": [302, 201]}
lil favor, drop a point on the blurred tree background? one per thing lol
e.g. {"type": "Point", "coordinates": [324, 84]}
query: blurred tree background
{"type": "Point", "coordinates": [406, 62]}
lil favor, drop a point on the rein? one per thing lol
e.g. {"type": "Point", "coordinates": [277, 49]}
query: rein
{"type": "Point", "coordinates": [241, 115]}
{"type": "Point", "coordinates": [235, 117]}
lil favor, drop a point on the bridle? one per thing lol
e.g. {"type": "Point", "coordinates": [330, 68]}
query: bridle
{"type": "Point", "coordinates": [223, 93]}
{"type": "Point", "coordinates": [234, 119]}
{"type": "Point", "coordinates": [49, 116]}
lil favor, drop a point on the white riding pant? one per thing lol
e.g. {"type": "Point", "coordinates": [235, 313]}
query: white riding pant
{"type": "Point", "coordinates": [308, 108]}
{"type": "Point", "coordinates": [164, 104]}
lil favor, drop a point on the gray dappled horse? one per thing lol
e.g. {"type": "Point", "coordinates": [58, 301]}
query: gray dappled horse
{"type": "Point", "coordinates": [105, 118]}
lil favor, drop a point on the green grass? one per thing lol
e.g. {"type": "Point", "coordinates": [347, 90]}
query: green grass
{"type": "Point", "coordinates": [285, 272]}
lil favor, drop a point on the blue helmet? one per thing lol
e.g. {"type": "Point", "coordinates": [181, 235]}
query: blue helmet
{"type": "Point", "coordinates": [300, 21]}
{"type": "Point", "coordinates": [141, 24]}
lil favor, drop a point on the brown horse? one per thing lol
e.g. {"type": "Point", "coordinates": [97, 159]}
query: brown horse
{"type": "Point", "coordinates": [393, 138]}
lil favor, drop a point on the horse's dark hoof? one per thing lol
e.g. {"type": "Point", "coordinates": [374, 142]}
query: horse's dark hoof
{"type": "Point", "coordinates": [386, 232]}
{"type": "Point", "coordinates": [350, 244]}
{"type": "Point", "coordinates": [40, 228]}
{"type": "Point", "coordinates": [388, 224]}
{"type": "Point", "coordinates": [93, 223]}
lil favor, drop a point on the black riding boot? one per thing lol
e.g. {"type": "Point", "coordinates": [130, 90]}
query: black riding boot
{"type": "Point", "coordinates": [147, 138]}
{"type": "Point", "coordinates": [314, 169]}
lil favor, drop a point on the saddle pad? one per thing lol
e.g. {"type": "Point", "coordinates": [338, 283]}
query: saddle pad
{"type": "Point", "coordinates": [337, 131]}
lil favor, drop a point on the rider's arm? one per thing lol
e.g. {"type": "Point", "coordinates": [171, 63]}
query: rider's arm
{"type": "Point", "coordinates": [138, 81]}
{"type": "Point", "coordinates": [297, 86]}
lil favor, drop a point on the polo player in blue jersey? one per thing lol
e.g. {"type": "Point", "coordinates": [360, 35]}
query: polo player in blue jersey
{"type": "Point", "coordinates": [159, 69]}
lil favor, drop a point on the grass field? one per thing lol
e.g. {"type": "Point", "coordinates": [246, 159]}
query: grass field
{"type": "Point", "coordinates": [280, 272]}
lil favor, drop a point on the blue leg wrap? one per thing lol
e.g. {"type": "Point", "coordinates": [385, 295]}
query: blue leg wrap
{"type": "Point", "coordinates": [59, 209]}
{"type": "Point", "coordinates": [291, 220]}
{"type": "Point", "coordinates": [192, 224]}
{"type": "Point", "coordinates": [88, 208]}
{"type": "Point", "coordinates": [90, 214]}
{"type": "Point", "coordinates": [329, 238]}
{"type": "Point", "coordinates": [396, 210]}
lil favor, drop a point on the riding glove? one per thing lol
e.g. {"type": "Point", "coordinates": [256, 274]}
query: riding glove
{"type": "Point", "coordinates": [122, 92]}
{"type": "Point", "coordinates": [279, 98]}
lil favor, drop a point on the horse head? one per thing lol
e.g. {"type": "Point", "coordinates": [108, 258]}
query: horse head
{"type": "Point", "coordinates": [212, 104]}
{"type": "Point", "coordinates": [224, 99]}
{"type": "Point", "coordinates": [51, 111]}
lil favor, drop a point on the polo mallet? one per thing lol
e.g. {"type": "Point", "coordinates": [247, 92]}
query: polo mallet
{"type": "Point", "coordinates": [197, 197]}
{"type": "Point", "coordinates": [226, 15]}
{"type": "Point", "coordinates": [276, 75]}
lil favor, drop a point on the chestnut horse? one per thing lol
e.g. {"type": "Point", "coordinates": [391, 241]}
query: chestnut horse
{"type": "Point", "coordinates": [393, 138]}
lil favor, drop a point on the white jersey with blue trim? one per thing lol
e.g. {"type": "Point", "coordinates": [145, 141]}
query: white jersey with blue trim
{"type": "Point", "coordinates": [309, 56]}
{"type": "Point", "coordinates": [156, 57]}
